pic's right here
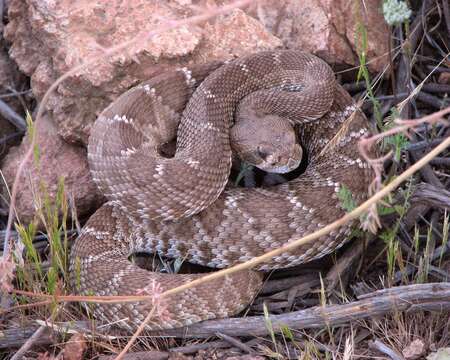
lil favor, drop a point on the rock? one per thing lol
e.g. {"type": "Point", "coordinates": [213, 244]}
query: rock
{"type": "Point", "coordinates": [235, 35]}
{"type": "Point", "coordinates": [57, 159]}
{"type": "Point", "coordinates": [327, 28]}
{"type": "Point", "coordinates": [67, 35]}
{"type": "Point", "coordinates": [48, 38]}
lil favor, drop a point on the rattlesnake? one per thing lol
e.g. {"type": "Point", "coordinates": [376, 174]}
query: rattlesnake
{"type": "Point", "coordinates": [178, 206]}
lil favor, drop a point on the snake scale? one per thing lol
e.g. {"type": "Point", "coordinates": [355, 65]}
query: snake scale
{"type": "Point", "coordinates": [180, 206]}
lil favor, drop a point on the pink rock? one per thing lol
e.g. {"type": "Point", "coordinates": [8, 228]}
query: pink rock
{"type": "Point", "coordinates": [69, 34]}
{"type": "Point", "coordinates": [51, 37]}
{"type": "Point", "coordinates": [328, 28]}
{"type": "Point", "coordinates": [57, 159]}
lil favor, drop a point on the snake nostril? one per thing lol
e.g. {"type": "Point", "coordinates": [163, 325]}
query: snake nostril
{"type": "Point", "coordinates": [262, 154]}
{"type": "Point", "coordinates": [273, 160]}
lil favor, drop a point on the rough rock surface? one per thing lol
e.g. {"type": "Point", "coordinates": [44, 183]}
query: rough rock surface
{"type": "Point", "coordinates": [49, 38]}
{"type": "Point", "coordinates": [68, 34]}
{"type": "Point", "coordinates": [57, 159]}
{"type": "Point", "coordinates": [328, 28]}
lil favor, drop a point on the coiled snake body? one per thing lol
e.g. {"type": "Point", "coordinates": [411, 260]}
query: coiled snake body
{"type": "Point", "coordinates": [178, 206]}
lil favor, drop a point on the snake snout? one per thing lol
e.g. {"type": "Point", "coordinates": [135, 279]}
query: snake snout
{"type": "Point", "coordinates": [279, 164]}
{"type": "Point", "coordinates": [293, 163]}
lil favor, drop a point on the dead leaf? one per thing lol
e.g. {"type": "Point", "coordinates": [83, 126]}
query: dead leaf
{"type": "Point", "coordinates": [414, 350]}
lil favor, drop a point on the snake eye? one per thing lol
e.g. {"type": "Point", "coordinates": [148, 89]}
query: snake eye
{"type": "Point", "coordinates": [261, 153]}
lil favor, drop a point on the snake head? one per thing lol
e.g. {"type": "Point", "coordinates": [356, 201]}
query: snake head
{"type": "Point", "coordinates": [266, 141]}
